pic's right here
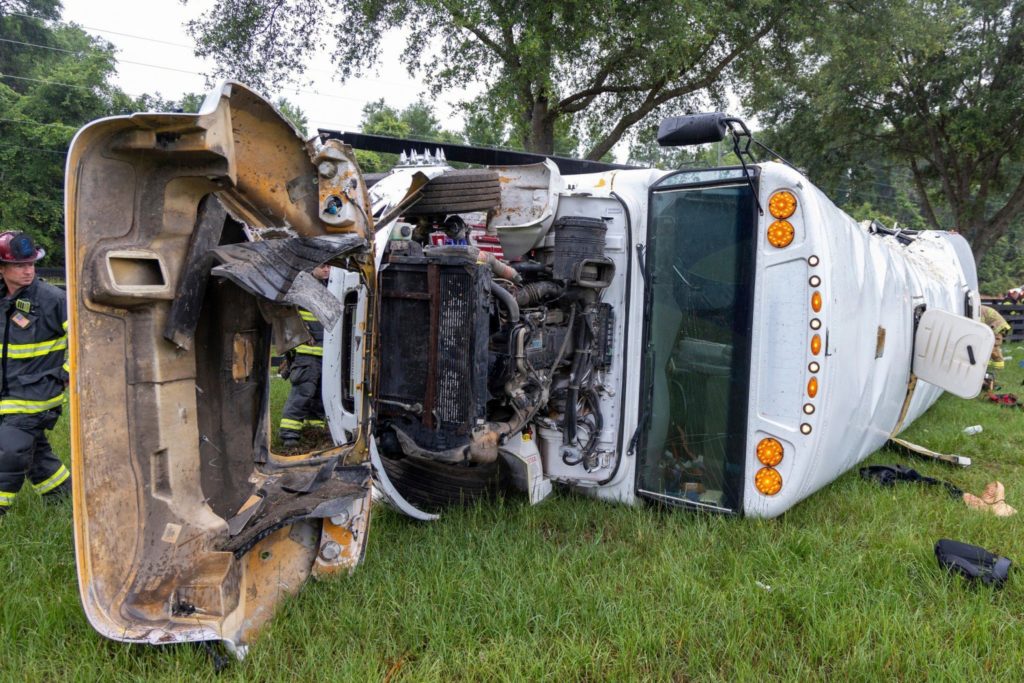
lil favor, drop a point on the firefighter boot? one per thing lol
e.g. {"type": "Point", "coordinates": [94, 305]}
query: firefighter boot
{"type": "Point", "coordinates": [58, 494]}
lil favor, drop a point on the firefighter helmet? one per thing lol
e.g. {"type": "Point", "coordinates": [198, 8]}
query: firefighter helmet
{"type": "Point", "coordinates": [17, 247]}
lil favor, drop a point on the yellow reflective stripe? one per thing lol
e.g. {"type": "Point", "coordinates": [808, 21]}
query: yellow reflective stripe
{"type": "Point", "coordinates": [37, 349]}
{"type": "Point", "coordinates": [66, 367]}
{"type": "Point", "coordinates": [58, 478]}
{"type": "Point", "coordinates": [6, 498]}
{"type": "Point", "coordinates": [315, 423]}
{"type": "Point", "coordinates": [65, 325]}
{"type": "Point", "coordinates": [309, 350]}
{"type": "Point", "coordinates": [290, 424]}
{"type": "Point", "coordinates": [307, 316]}
{"type": "Point", "coordinates": [10, 406]}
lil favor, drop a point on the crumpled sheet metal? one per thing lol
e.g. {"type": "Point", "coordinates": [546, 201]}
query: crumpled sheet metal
{"type": "Point", "coordinates": [395, 192]}
{"type": "Point", "coordinates": [291, 496]}
{"type": "Point", "coordinates": [278, 270]}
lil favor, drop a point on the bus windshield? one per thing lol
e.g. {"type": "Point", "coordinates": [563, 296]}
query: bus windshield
{"type": "Point", "coordinates": [701, 256]}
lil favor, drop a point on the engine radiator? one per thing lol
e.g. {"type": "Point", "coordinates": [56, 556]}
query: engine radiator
{"type": "Point", "coordinates": [434, 328]}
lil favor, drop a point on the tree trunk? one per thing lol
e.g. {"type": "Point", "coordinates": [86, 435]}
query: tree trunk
{"type": "Point", "coordinates": [541, 126]}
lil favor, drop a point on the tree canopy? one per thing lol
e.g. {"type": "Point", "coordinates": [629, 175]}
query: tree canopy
{"type": "Point", "coordinates": [53, 79]}
{"type": "Point", "coordinates": [930, 89]}
{"type": "Point", "coordinates": [603, 67]}
{"type": "Point", "coordinates": [418, 121]}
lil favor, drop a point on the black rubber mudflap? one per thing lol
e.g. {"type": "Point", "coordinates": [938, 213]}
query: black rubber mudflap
{"type": "Point", "coordinates": [433, 486]}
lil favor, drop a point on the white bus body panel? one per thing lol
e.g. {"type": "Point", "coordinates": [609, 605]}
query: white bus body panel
{"type": "Point", "coordinates": [870, 285]}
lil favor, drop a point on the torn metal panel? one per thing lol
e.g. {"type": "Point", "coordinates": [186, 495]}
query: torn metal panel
{"type": "Point", "coordinates": [399, 190]}
{"type": "Point", "coordinates": [290, 496]}
{"type": "Point", "coordinates": [286, 324]}
{"type": "Point", "coordinates": [278, 270]}
{"type": "Point", "coordinates": [344, 201]}
{"type": "Point", "coordinates": [529, 201]}
{"type": "Point", "coordinates": [184, 313]}
{"type": "Point", "coordinates": [170, 370]}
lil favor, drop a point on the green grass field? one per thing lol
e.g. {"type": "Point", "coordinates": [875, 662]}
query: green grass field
{"type": "Point", "coordinates": [575, 589]}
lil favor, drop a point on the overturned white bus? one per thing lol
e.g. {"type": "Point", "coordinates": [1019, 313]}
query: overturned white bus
{"type": "Point", "coordinates": [721, 339]}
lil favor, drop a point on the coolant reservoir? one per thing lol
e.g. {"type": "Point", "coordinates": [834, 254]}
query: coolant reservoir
{"type": "Point", "coordinates": [550, 443]}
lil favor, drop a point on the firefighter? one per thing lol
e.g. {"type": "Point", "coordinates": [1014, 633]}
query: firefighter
{"type": "Point", "coordinates": [305, 406]}
{"type": "Point", "coordinates": [34, 373]}
{"type": "Point", "coordinates": [1000, 328]}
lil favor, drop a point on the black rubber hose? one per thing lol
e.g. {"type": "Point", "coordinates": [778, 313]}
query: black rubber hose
{"type": "Point", "coordinates": [529, 267]}
{"type": "Point", "coordinates": [538, 291]}
{"type": "Point", "coordinates": [506, 298]}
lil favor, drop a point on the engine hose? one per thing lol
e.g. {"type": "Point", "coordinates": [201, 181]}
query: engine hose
{"type": "Point", "coordinates": [595, 410]}
{"type": "Point", "coordinates": [565, 342]}
{"type": "Point", "coordinates": [578, 362]}
{"type": "Point", "coordinates": [569, 422]}
{"type": "Point", "coordinates": [498, 267]}
{"type": "Point", "coordinates": [538, 291]}
{"type": "Point", "coordinates": [530, 267]}
{"type": "Point", "coordinates": [506, 298]}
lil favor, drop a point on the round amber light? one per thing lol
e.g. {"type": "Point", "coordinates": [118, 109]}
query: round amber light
{"type": "Point", "coordinates": [782, 204]}
{"type": "Point", "coordinates": [768, 481]}
{"type": "Point", "coordinates": [816, 344]}
{"type": "Point", "coordinates": [816, 302]}
{"type": "Point", "coordinates": [780, 234]}
{"type": "Point", "coordinates": [769, 452]}
{"type": "Point", "coordinates": [812, 387]}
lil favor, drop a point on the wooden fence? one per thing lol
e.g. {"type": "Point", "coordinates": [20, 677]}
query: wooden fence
{"type": "Point", "coordinates": [52, 275]}
{"type": "Point", "coordinates": [1013, 311]}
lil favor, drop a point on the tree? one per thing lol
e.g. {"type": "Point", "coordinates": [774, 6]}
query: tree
{"type": "Point", "coordinates": [933, 86]}
{"type": "Point", "coordinates": [293, 113]}
{"type": "Point", "coordinates": [54, 80]}
{"type": "Point", "coordinates": [603, 67]}
{"type": "Point", "coordinates": [1003, 266]}
{"type": "Point", "coordinates": [417, 121]}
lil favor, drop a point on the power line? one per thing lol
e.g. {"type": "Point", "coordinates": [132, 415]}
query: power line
{"type": "Point", "coordinates": [116, 33]}
{"type": "Point", "coordinates": [46, 82]}
{"type": "Point", "coordinates": [185, 71]}
{"type": "Point", "coordinates": [191, 46]}
{"type": "Point", "coordinates": [32, 149]}
{"type": "Point", "coordinates": [45, 47]}
{"type": "Point", "coordinates": [37, 123]}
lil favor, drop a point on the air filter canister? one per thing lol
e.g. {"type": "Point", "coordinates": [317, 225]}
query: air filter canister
{"type": "Point", "coordinates": [577, 239]}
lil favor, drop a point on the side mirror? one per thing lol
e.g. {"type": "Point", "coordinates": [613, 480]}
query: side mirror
{"type": "Point", "coordinates": [693, 129]}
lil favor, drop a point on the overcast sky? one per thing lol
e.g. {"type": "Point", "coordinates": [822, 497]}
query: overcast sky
{"type": "Point", "coordinates": [155, 55]}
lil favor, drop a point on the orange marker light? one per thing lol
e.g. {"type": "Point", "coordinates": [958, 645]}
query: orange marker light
{"type": "Point", "coordinates": [780, 234]}
{"type": "Point", "coordinates": [812, 387]}
{"type": "Point", "coordinates": [768, 481]}
{"type": "Point", "coordinates": [769, 452]}
{"type": "Point", "coordinates": [816, 302]}
{"type": "Point", "coordinates": [782, 204]}
{"type": "Point", "coordinates": [816, 344]}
